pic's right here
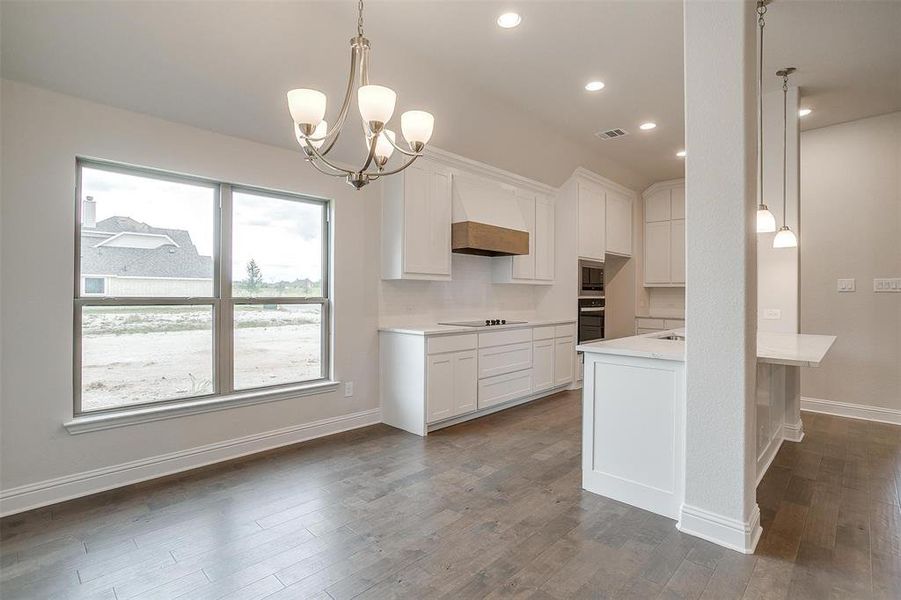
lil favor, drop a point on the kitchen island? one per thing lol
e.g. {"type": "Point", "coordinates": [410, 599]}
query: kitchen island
{"type": "Point", "coordinates": [633, 418]}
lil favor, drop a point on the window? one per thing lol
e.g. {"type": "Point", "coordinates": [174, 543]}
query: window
{"type": "Point", "coordinates": [94, 285]}
{"type": "Point", "coordinates": [193, 289]}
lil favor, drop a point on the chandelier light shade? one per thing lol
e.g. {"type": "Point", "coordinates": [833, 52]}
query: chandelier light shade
{"type": "Point", "coordinates": [417, 126]}
{"type": "Point", "coordinates": [785, 238]}
{"type": "Point", "coordinates": [376, 104]}
{"type": "Point", "coordinates": [766, 222]}
{"type": "Point", "coordinates": [307, 107]}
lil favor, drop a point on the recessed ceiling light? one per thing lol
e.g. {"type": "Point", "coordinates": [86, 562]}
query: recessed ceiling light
{"type": "Point", "coordinates": [509, 20]}
{"type": "Point", "coordinates": [681, 153]}
{"type": "Point", "coordinates": [804, 112]}
{"type": "Point", "coordinates": [647, 126]}
{"type": "Point", "coordinates": [594, 86]}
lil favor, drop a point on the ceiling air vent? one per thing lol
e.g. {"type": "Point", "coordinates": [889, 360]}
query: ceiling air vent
{"type": "Point", "coordinates": [612, 134]}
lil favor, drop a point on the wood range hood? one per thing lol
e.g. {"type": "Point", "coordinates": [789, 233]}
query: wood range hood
{"type": "Point", "coordinates": [487, 220]}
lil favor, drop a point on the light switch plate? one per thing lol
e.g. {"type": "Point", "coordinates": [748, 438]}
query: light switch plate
{"type": "Point", "coordinates": [890, 284]}
{"type": "Point", "coordinates": [846, 285]}
{"type": "Point", "coordinates": [348, 389]}
{"type": "Point", "coordinates": [772, 314]}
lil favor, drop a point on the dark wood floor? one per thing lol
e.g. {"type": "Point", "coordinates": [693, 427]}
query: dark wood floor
{"type": "Point", "coordinates": [487, 509]}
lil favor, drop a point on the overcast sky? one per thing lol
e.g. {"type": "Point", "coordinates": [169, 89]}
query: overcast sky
{"type": "Point", "coordinates": [282, 236]}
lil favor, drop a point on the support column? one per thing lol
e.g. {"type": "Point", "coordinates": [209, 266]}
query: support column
{"type": "Point", "coordinates": [721, 263]}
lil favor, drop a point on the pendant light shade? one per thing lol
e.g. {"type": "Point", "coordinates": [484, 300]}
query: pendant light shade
{"type": "Point", "coordinates": [376, 103]}
{"type": "Point", "coordinates": [785, 238]}
{"type": "Point", "coordinates": [307, 107]}
{"type": "Point", "coordinates": [766, 222]}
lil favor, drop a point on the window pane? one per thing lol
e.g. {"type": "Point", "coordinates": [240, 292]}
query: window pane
{"type": "Point", "coordinates": [277, 250]}
{"type": "Point", "coordinates": [277, 343]}
{"type": "Point", "coordinates": [146, 236]}
{"type": "Point", "coordinates": [139, 354]}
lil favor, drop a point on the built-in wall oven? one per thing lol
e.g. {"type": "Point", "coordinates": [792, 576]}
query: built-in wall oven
{"type": "Point", "coordinates": [592, 301]}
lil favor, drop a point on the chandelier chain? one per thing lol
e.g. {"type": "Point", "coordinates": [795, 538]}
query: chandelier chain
{"type": "Point", "coordinates": [360, 18]}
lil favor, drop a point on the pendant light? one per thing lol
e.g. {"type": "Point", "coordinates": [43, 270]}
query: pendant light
{"type": "Point", "coordinates": [785, 238]}
{"type": "Point", "coordinates": [766, 222]}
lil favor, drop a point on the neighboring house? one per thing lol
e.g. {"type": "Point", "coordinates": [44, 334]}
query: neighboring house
{"type": "Point", "coordinates": [124, 257]}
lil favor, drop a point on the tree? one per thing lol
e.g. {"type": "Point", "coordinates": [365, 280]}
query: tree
{"type": "Point", "coordinates": [254, 279]}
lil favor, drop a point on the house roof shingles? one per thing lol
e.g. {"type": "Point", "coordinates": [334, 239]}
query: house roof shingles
{"type": "Point", "coordinates": [166, 261]}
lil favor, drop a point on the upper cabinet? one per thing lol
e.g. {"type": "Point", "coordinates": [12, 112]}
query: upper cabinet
{"type": "Point", "coordinates": [664, 235]}
{"type": "Point", "coordinates": [619, 224]}
{"type": "Point", "coordinates": [416, 223]}
{"type": "Point", "coordinates": [592, 206]}
{"type": "Point", "coordinates": [536, 267]}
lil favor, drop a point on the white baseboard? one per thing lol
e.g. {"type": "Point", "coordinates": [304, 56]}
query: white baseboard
{"type": "Point", "coordinates": [793, 433]}
{"type": "Point", "coordinates": [852, 411]}
{"type": "Point", "coordinates": [729, 533]}
{"type": "Point", "coordinates": [51, 491]}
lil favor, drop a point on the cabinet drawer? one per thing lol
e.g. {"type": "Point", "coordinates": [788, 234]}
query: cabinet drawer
{"type": "Point", "coordinates": [649, 323]}
{"type": "Point", "coordinates": [543, 333]}
{"type": "Point", "coordinates": [502, 388]}
{"type": "Point", "coordinates": [640, 331]}
{"type": "Point", "coordinates": [504, 359]}
{"type": "Point", "coordinates": [673, 323]}
{"type": "Point", "coordinates": [451, 343]}
{"type": "Point", "coordinates": [502, 338]}
{"type": "Point", "coordinates": [565, 331]}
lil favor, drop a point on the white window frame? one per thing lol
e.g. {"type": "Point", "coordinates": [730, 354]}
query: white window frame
{"type": "Point", "coordinates": [221, 302]}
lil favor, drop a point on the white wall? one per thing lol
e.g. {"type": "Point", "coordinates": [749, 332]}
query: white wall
{"type": "Point", "coordinates": [851, 228]}
{"type": "Point", "coordinates": [777, 268]}
{"type": "Point", "coordinates": [43, 132]}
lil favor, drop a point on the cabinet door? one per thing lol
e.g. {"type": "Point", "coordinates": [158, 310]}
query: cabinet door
{"type": "Point", "coordinates": [657, 207]}
{"type": "Point", "coordinates": [657, 252]}
{"type": "Point", "coordinates": [542, 365]}
{"type": "Point", "coordinates": [677, 251]}
{"type": "Point", "coordinates": [677, 204]}
{"type": "Point", "coordinates": [440, 387]}
{"type": "Point", "coordinates": [619, 224]}
{"type": "Point", "coordinates": [466, 382]}
{"type": "Point", "coordinates": [592, 222]}
{"type": "Point", "coordinates": [524, 266]}
{"type": "Point", "coordinates": [427, 220]}
{"type": "Point", "coordinates": [545, 238]}
{"type": "Point", "coordinates": [564, 355]}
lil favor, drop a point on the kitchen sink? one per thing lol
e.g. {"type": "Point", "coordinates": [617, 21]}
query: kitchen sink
{"type": "Point", "coordinates": [673, 337]}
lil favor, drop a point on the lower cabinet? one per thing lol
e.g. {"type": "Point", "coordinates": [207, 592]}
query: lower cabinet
{"type": "Point", "coordinates": [542, 365]}
{"type": "Point", "coordinates": [564, 359]}
{"type": "Point", "coordinates": [501, 388]}
{"type": "Point", "coordinates": [451, 387]}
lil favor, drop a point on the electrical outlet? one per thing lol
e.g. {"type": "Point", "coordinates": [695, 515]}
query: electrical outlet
{"type": "Point", "coordinates": [348, 389]}
{"type": "Point", "coordinates": [772, 314]}
{"type": "Point", "coordinates": [846, 285]}
{"type": "Point", "coordinates": [883, 285]}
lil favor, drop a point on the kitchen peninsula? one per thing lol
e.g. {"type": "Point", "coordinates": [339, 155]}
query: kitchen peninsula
{"type": "Point", "coordinates": [634, 405]}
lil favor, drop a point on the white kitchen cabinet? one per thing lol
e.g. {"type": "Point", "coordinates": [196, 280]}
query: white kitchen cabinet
{"type": "Point", "coordinates": [543, 364]}
{"type": "Point", "coordinates": [592, 222]}
{"type": "Point", "coordinates": [619, 224]}
{"type": "Point", "coordinates": [452, 384]}
{"type": "Point", "coordinates": [430, 380]}
{"type": "Point", "coordinates": [564, 359]}
{"type": "Point", "coordinates": [677, 251]}
{"type": "Point", "coordinates": [416, 223]}
{"type": "Point", "coordinates": [664, 235]}
{"type": "Point", "coordinates": [657, 247]}
{"type": "Point", "coordinates": [545, 238]}
{"type": "Point", "coordinates": [536, 267]}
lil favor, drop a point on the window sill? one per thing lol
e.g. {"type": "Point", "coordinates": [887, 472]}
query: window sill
{"type": "Point", "coordinates": [146, 414]}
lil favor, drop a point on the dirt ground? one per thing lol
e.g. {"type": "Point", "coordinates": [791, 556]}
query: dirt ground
{"type": "Point", "coordinates": [133, 368]}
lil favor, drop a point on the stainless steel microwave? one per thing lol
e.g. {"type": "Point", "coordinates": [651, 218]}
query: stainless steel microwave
{"type": "Point", "coordinates": [591, 278]}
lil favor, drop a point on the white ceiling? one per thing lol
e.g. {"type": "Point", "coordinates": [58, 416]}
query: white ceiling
{"type": "Point", "coordinates": [225, 66]}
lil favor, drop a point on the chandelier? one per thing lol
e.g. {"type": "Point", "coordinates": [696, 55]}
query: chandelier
{"type": "Point", "coordinates": [376, 105]}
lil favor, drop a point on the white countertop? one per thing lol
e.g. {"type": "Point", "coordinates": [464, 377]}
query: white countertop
{"type": "Point", "coordinates": [795, 349]}
{"type": "Point", "coordinates": [435, 329]}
